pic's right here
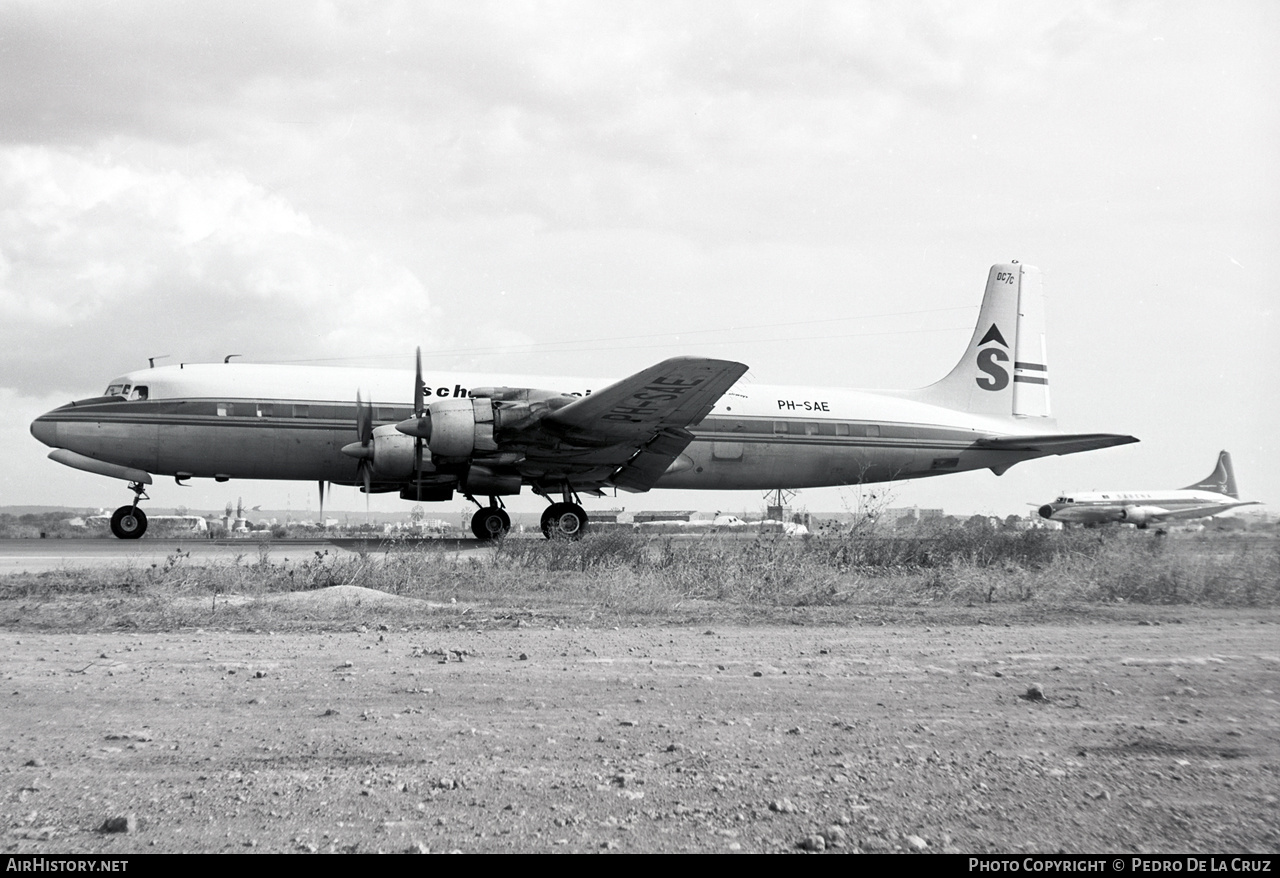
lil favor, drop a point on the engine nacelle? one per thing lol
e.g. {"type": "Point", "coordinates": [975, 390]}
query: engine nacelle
{"type": "Point", "coordinates": [482, 480]}
{"type": "Point", "coordinates": [393, 454]}
{"type": "Point", "coordinates": [1139, 515]}
{"type": "Point", "coordinates": [461, 427]}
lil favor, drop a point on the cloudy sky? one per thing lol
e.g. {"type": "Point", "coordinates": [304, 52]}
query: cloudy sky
{"type": "Point", "coordinates": [815, 189]}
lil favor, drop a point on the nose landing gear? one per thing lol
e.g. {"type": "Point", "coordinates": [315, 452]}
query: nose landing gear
{"type": "Point", "coordinates": [130, 522]}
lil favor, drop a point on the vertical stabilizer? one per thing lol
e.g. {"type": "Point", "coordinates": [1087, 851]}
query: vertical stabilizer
{"type": "Point", "coordinates": [1005, 370]}
{"type": "Point", "coordinates": [1221, 481]}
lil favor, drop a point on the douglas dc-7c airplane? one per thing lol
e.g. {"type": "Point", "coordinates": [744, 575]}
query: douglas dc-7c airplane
{"type": "Point", "coordinates": [684, 423]}
{"type": "Point", "coordinates": [1214, 494]}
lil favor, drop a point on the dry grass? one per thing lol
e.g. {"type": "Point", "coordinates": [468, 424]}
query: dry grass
{"type": "Point", "coordinates": [619, 576]}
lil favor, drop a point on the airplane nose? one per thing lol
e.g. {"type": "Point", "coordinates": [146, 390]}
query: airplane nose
{"type": "Point", "coordinates": [1046, 511]}
{"type": "Point", "coordinates": [46, 430]}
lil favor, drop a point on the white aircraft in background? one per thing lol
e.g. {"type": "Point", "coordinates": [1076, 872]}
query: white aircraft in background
{"type": "Point", "coordinates": [1208, 497]}
{"type": "Point", "coordinates": [685, 423]}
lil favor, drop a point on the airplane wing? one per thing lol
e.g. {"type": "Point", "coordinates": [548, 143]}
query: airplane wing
{"type": "Point", "coordinates": [637, 426]}
{"type": "Point", "coordinates": [674, 393]}
{"type": "Point", "coordinates": [1057, 443]}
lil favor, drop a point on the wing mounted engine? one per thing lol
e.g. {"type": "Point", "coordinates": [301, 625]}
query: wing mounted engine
{"type": "Point", "coordinates": [458, 429]}
{"type": "Point", "coordinates": [1140, 515]}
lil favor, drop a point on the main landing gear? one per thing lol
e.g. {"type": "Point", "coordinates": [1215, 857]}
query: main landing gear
{"type": "Point", "coordinates": [490, 522]}
{"type": "Point", "coordinates": [130, 522]}
{"type": "Point", "coordinates": [565, 520]}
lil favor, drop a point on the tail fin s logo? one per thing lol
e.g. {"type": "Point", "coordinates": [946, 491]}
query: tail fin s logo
{"type": "Point", "coordinates": [987, 361]}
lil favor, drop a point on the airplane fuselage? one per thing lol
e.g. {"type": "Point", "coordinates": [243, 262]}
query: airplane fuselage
{"type": "Point", "coordinates": [245, 421]}
{"type": "Point", "coordinates": [1137, 507]}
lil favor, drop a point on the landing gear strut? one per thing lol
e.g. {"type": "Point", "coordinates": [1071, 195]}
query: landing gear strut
{"type": "Point", "coordinates": [130, 522]}
{"type": "Point", "coordinates": [565, 520]}
{"type": "Point", "coordinates": [490, 522]}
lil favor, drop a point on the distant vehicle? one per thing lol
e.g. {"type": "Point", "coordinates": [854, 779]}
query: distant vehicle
{"type": "Point", "coordinates": [684, 423]}
{"type": "Point", "coordinates": [1213, 495]}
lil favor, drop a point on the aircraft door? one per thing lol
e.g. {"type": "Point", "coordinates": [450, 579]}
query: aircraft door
{"type": "Point", "coordinates": [726, 450]}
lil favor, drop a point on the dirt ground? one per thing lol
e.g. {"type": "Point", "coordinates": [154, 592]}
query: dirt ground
{"type": "Point", "coordinates": [1147, 736]}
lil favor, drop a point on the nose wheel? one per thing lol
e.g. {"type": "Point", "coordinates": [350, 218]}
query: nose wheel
{"type": "Point", "coordinates": [130, 522]}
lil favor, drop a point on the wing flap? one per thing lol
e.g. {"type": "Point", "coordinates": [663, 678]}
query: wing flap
{"type": "Point", "coordinates": [648, 464]}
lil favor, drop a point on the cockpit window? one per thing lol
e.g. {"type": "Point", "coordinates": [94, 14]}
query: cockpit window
{"type": "Point", "coordinates": [127, 391]}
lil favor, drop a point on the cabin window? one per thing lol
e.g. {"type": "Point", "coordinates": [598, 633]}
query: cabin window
{"type": "Point", "coordinates": [224, 409]}
{"type": "Point", "coordinates": [873, 430]}
{"type": "Point", "coordinates": [811, 429]}
{"type": "Point", "coordinates": [386, 413]}
{"type": "Point", "coordinates": [779, 427]}
{"type": "Point", "coordinates": [115, 390]}
{"type": "Point", "coordinates": [266, 410]}
{"type": "Point", "coordinates": [842, 429]}
{"type": "Point", "coordinates": [302, 411]}
{"type": "Point", "coordinates": [139, 392]}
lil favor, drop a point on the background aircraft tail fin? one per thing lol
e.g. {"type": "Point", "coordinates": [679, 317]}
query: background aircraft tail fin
{"type": "Point", "coordinates": [1005, 370]}
{"type": "Point", "coordinates": [1221, 481]}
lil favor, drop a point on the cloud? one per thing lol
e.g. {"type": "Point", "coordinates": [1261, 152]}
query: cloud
{"type": "Point", "coordinates": [118, 263]}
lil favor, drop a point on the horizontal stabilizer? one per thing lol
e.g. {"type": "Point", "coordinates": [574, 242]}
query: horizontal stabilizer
{"type": "Point", "coordinates": [1057, 443]}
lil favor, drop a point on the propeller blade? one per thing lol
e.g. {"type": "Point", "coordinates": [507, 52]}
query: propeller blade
{"type": "Point", "coordinates": [363, 450]}
{"type": "Point", "coordinates": [418, 410]}
{"type": "Point", "coordinates": [417, 383]}
{"type": "Point", "coordinates": [364, 420]}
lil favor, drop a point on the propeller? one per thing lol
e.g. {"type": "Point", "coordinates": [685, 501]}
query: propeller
{"type": "Point", "coordinates": [362, 451]}
{"type": "Point", "coordinates": [419, 410]}
{"type": "Point", "coordinates": [419, 425]}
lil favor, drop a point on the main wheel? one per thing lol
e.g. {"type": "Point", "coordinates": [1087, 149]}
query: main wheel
{"type": "Point", "coordinates": [564, 521]}
{"type": "Point", "coordinates": [490, 523]}
{"type": "Point", "coordinates": [129, 523]}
